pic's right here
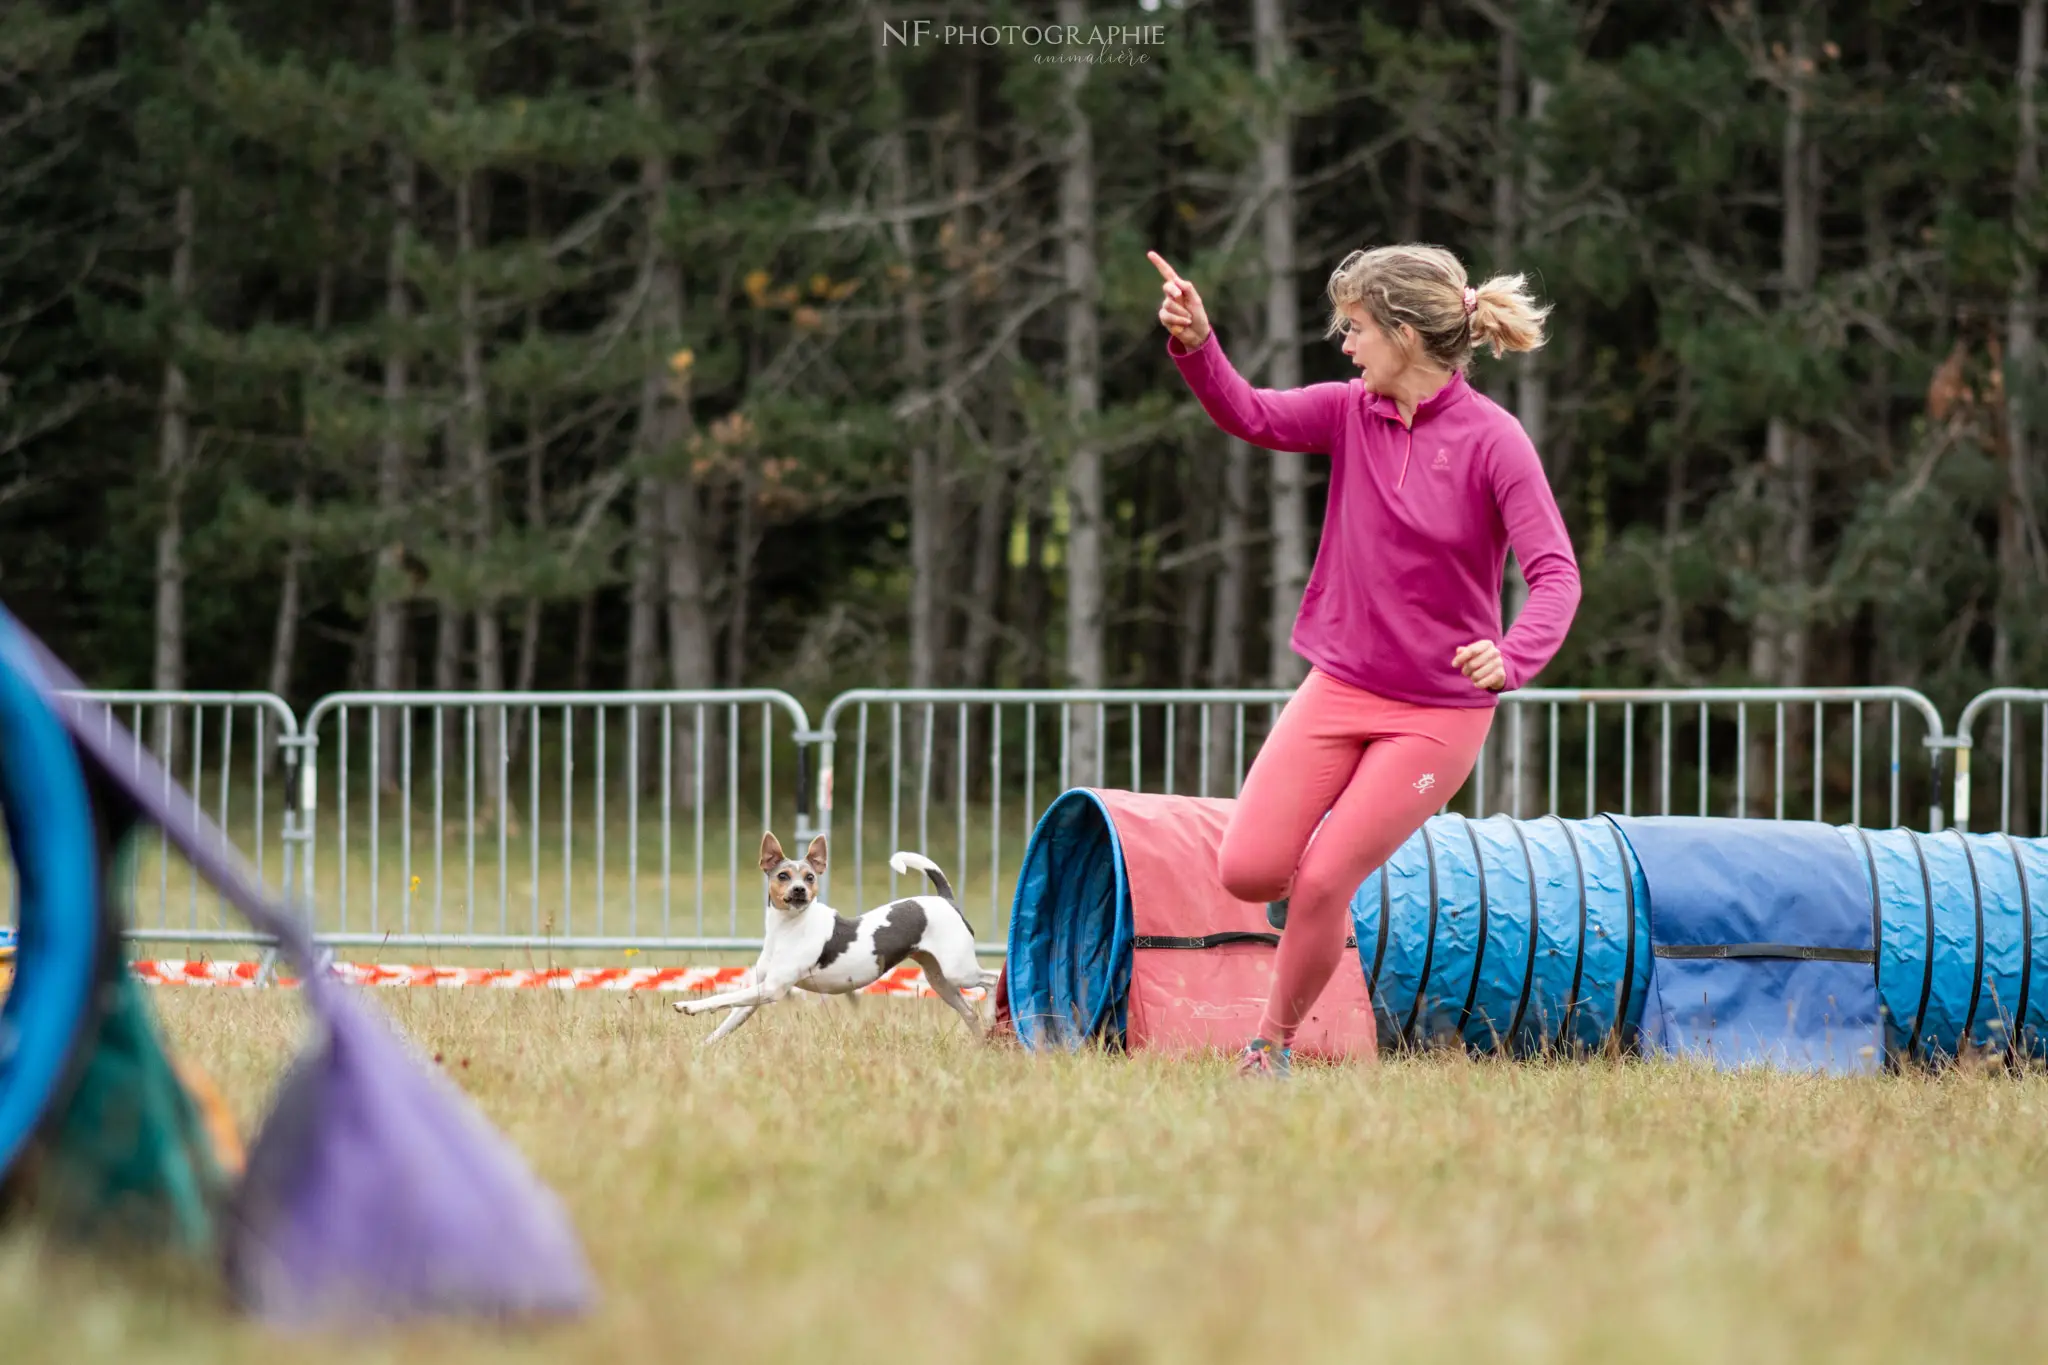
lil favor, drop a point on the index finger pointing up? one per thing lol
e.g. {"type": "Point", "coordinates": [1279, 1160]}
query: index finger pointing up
{"type": "Point", "coordinates": [1166, 272]}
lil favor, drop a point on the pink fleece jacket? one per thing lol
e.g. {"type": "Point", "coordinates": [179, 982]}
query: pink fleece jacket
{"type": "Point", "coordinates": [1416, 536]}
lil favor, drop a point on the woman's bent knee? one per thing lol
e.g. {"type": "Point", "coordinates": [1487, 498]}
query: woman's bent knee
{"type": "Point", "coordinates": [1251, 873]}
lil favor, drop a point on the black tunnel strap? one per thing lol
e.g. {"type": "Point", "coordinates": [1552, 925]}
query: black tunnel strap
{"type": "Point", "coordinates": [2019, 1019]}
{"type": "Point", "coordinates": [1977, 977]}
{"type": "Point", "coordinates": [1379, 946]}
{"type": "Point", "coordinates": [1528, 967]}
{"type": "Point", "coordinates": [1876, 936]}
{"type": "Point", "coordinates": [1876, 897]}
{"type": "Point", "coordinates": [1478, 953]}
{"type": "Point", "coordinates": [1628, 965]}
{"type": "Point", "coordinates": [1571, 1001]}
{"type": "Point", "coordinates": [1224, 939]}
{"type": "Point", "coordinates": [1428, 946]}
{"type": "Point", "coordinates": [1927, 978]}
{"type": "Point", "coordinates": [1797, 952]}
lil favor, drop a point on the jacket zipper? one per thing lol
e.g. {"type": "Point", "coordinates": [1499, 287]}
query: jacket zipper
{"type": "Point", "coordinates": [1404, 459]}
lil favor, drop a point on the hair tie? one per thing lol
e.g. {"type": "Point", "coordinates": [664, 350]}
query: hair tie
{"type": "Point", "coordinates": [1471, 300]}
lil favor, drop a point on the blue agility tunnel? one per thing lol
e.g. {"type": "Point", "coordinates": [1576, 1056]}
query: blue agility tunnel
{"type": "Point", "coordinates": [1506, 935]}
{"type": "Point", "coordinates": [1959, 945]}
{"type": "Point", "coordinates": [1742, 941]}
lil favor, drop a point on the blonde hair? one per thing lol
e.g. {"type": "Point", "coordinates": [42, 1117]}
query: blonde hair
{"type": "Point", "coordinates": [1426, 288]}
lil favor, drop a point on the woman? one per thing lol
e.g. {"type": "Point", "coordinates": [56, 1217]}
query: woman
{"type": "Point", "coordinates": [1430, 484]}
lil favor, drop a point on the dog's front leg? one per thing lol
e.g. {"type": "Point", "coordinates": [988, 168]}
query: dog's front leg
{"type": "Point", "coordinates": [739, 1016]}
{"type": "Point", "coordinates": [747, 998]}
{"type": "Point", "coordinates": [764, 992]}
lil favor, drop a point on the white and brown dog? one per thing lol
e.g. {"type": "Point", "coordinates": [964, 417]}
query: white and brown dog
{"type": "Point", "coordinates": [808, 946]}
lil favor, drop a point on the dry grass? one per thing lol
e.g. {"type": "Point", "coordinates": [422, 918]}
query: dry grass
{"type": "Point", "coordinates": [853, 1184]}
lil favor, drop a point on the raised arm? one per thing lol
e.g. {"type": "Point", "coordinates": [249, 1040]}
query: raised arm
{"type": "Point", "coordinates": [1302, 420]}
{"type": "Point", "coordinates": [1536, 531]}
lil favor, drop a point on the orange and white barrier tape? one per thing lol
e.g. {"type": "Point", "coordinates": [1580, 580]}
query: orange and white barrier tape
{"type": "Point", "coordinates": [906, 980]}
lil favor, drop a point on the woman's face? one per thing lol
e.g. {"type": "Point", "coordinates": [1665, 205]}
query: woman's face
{"type": "Point", "coordinates": [1380, 359]}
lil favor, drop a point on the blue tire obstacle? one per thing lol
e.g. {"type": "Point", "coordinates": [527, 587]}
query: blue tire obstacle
{"type": "Point", "coordinates": [1790, 943]}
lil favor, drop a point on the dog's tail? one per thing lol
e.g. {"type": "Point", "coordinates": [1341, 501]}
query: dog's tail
{"type": "Point", "coordinates": [907, 863]}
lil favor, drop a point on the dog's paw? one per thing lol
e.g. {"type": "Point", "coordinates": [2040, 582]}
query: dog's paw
{"type": "Point", "coordinates": [685, 1007]}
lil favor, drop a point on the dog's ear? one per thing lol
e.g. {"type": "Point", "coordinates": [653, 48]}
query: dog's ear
{"type": "Point", "coordinates": [771, 852]}
{"type": "Point", "coordinates": [815, 855]}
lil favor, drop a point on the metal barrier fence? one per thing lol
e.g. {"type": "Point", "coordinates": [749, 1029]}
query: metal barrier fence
{"type": "Point", "coordinates": [957, 774]}
{"type": "Point", "coordinates": [237, 753]}
{"type": "Point", "coordinates": [2012, 785]}
{"type": "Point", "coordinates": [639, 786]}
{"type": "Point", "coordinates": [1751, 751]}
{"type": "Point", "coordinates": [611, 820]}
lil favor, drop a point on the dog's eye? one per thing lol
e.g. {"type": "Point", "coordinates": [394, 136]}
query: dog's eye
{"type": "Point", "coordinates": [810, 877]}
{"type": "Point", "coordinates": [782, 876]}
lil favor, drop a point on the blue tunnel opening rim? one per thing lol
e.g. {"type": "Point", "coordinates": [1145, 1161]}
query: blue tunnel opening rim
{"type": "Point", "coordinates": [56, 856]}
{"type": "Point", "coordinates": [1026, 991]}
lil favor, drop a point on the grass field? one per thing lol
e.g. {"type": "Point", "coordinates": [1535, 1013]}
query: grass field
{"type": "Point", "coordinates": [854, 1184]}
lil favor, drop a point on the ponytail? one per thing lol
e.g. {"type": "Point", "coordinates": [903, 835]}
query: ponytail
{"type": "Point", "coordinates": [1505, 318]}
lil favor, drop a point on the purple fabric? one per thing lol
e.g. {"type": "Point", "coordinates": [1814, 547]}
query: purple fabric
{"type": "Point", "coordinates": [376, 1190]}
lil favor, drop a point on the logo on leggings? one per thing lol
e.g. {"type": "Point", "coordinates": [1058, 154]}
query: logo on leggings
{"type": "Point", "coordinates": [1425, 782]}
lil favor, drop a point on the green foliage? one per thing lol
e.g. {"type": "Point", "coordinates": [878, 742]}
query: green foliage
{"type": "Point", "coordinates": [1649, 210]}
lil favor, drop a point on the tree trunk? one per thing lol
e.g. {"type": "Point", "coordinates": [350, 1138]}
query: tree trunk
{"type": "Point", "coordinates": [1035, 617]}
{"type": "Point", "coordinates": [1507, 214]}
{"type": "Point", "coordinates": [1288, 507]}
{"type": "Point", "coordinates": [650, 510]}
{"type": "Point", "coordinates": [174, 454]}
{"type": "Point", "coordinates": [689, 634]}
{"type": "Point", "coordinates": [745, 544]}
{"type": "Point", "coordinates": [1778, 638]}
{"type": "Point", "coordinates": [994, 514]}
{"type": "Point", "coordinates": [975, 474]}
{"type": "Point", "coordinates": [586, 640]}
{"type": "Point", "coordinates": [991, 541]}
{"type": "Point", "coordinates": [449, 622]}
{"type": "Point", "coordinates": [664, 431]}
{"type": "Point", "coordinates": [2019, 535]}
{"type": "Point", "coordinates": [927, 491]}
{"type": "Point", "coordinates": [536, 513]}
{"type": "Point", "coordinates": [473, 434]}
{"type": "Point", "coordinates": [1408, 225]}
{"type": "Point", "coordinates": [1671, 666]}
{"type": "Point", "coordinates": [388, 597]}
{"type": "Point", "coordinates": [643, 594]}
{"type": "Point", "coordinates": [1230, 607]}
{"type": "Point", "coordinates": [1522, 775]}
{"type": "Point", "coordinates": [1084, 552]}
{"type": "Point", "coordinates": [284, 635]}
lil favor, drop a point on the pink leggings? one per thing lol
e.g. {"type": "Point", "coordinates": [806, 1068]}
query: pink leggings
{"type": "Point", "coordinates": [1379, 768]}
